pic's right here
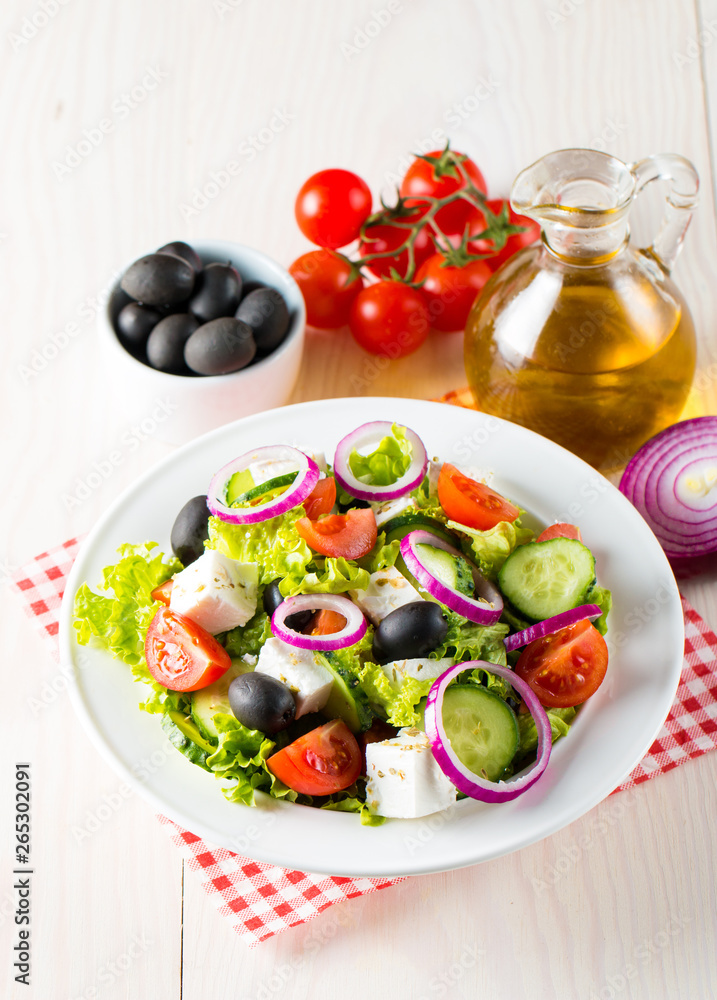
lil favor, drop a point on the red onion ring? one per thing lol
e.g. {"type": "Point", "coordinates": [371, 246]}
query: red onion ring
{"type": "Point", "coordinates": [353, 630]}
{"type": "Point", "coordinates": [372, 433]}
{"type": "Point", "coordinates": [550, 625]}
{"type": "Point", "coordinates": [654, 481]}
{"type": "Point", "coordinates": [306, 479]}
{"type": "Point", "coordinates": [469, 607]}
{"type": "Point", "coordinates": [454, 769]}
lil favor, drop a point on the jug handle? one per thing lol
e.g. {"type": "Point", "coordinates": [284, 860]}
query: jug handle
{"type": "Point", "coordinates": [681, 201]}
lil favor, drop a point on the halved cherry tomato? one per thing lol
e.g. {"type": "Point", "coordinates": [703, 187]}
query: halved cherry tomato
{"type": "Point", "coordinates": [325, 622]}
{"type": "Point", "coordinates": [473, 504]}
{"type": "Point", "coordinates": [322, 762]}
{"type": "Point", "coordinates": [182, 655]}
{"type": "Point", "coordinates": [350, 535]}
{"type": "Point", "coordinates": [560, 530]}
{"type": "Point", "coordinates": [565, 668]}
{"type": "Point", "coordinates": [163, 592]}
{"type": "Point", "coordinates": [322, 499]}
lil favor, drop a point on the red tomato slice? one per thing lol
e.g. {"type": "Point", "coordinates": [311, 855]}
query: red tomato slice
{"type": "Point", "coordinates": [560, 530]}
{"type": "Point", "coordinates": [473, 504]}
{"type": "Point", "coordinates": [324, 761]}
{"type": "Point", "coordinates": [350, 535]}
{"type": "Point", "coordinates": [163, 592]}
{"type": "Point", "coordinates": [325, 622]}
{"type": "Point", "coordinates": [182, 655]}
{"type": "Point", "coordinates": [565, 668]}
{"type": "Point", "coordinates": [322, 499]}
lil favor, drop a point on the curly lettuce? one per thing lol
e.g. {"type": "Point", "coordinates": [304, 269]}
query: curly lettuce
{"type": "Point", "coordinates": [387, 463]}
{"type": "Point", "coordinates": [400, 705]}
{"type": "Point", "coordinates": [489, 549]}
{"type": "Point", "coordinates": [241, 757]}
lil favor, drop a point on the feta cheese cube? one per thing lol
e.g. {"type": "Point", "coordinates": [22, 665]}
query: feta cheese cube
{"type": "Point", "coordinates": [216, 592]}
{"type": "Point", "coordinates": [309, 681]}
{"type": "Point", "coordinates": [387, 590]}
{"type": "Point", "coordinates": [263, 471]}
{"type": "Point", "coordinates": [422, 669]}
{"type": "Point", "coordinates": [390, 508]}
{"type": "Point", "coordinates": [404, 779]}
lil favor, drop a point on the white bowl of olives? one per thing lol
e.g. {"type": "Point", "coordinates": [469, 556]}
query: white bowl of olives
{"type": "Point", "coordinates": [212, 332]}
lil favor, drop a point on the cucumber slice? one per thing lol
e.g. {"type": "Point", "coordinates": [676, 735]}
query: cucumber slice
{"type": "Point", "coordinates": [402, 524]}
{"type": "Point", "coordinates": [209, 700]}
{"type": "Point", "coordinates": [542, 579]}
{"type": "Point", "coordinates": [451, 570]}
{"type": "Point", "coordinates": [276, 485]}
{"type": "Point", "coordinates": [185, 736]}
{"type": "Point", "coordinates": [347, 700]}
{"type": "Point", "coordinates": [482, 729]}
{"type": "Point", "coordinates": [239, 483]}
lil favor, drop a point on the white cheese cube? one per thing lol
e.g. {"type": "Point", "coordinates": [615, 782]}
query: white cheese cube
{"type": "Point", "coordinates": [434, 471]}
{"type": "Point", "coordinates": [390, 508]}
{"type": "Point", "coordinates": [387, 590]}
{"type": "Point", "coordinates": [422, 669]}
{"type": "Point", "coordinates": [404, 779]}
{"type": "Point", "coordinates": [263, 471]}
{"type": "Point", "coordinates": [320, 458]}
{"type": "Point", "coordinates": [309, 681]}
{"type": "Point", "coordinates": [216, 592]}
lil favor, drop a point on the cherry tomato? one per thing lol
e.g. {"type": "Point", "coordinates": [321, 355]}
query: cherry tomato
{"type": "Point", "coordinates": [384, 237]}
{"type": "Point", "coordinates": [182, 655]}
{"type": "Point", "coordinates": [331, 207]}
{"type": "Point", "coordinates": [565, 668]}
{"type": "Point", "coordinates": [560, 530]}
{"type": "Point", "coordinates": [163, 592]}
{"type": "Point", "coordinates": [325, 622]}
{"type": "Point", "coordinates": [328, 286]}
{"type": "Point", "coordinates": [421, 179]}
{"type": "Point", "coordinates": [451, 291]}
{"type": "Point", "coordinates": [321, 499]}
{"type": "Point", "coordinates": [323, 761]}
{"type": "Point", "coordinates": [350, 535]}
{"type": "Point", "coordinates": [513, 244]}
{"type": "Point", "coordinates": [389, 318]}
{"type": "Point", "coordinates": [473, 504]}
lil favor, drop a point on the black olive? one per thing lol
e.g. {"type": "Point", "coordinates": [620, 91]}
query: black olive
{"type": "Point", "coordinates": [352, 504]}
{"type": "Point", "coordinates": [273, 598]}
{"type": "Point", "coordinates": [217, 293]}
{"type": "Point", "coordinates": [135, 323]}
{"type": "Point", "coordinates": [220, 346]}
{"type": "Point", "coordinates": [409, 632]}
{"type": "Point", "coordinates": [166, 343]}
{"type": "Point", "coordinates": [262, 702]}
{"type": "Point", "coordinates": [190, 530]}
{"type": "Point", "coordinates": [158, 279]}
{"type": "Point", "coordinates": [183, 250]}
{"type": "Point", "coordinates": [265, 312]}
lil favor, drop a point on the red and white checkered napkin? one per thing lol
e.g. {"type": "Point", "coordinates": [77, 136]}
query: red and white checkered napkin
{"type": "Point", "coordinates": [260, 899]}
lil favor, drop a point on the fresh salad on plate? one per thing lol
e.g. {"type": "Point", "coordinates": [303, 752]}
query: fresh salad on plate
{"type": "Point", "coordinates": [382, 635]}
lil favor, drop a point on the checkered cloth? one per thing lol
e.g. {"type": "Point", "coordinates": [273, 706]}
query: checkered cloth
{"type": "Point", "coordinates": [261, 899]}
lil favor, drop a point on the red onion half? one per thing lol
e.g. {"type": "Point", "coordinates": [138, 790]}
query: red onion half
{"type": "Point", "coordinates": [672, 480]}
{"type": "Point", "coordinates": [454, 769]}
{"type": "Point", "coordinates": [371, 434]}
{"type": "Point", "coordinates": [353, 630]}
{"type": "Point", "coordinates": [306, 479]}
{"type": "Point", "coordinates": [551, 625]}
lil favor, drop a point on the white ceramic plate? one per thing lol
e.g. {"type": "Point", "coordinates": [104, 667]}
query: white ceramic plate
{"type": "Point", "coordinates": [610, 736]}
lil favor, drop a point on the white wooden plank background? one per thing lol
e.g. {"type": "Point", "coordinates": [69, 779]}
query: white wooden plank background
{"type": "Point", "coordinates": [632, 912]}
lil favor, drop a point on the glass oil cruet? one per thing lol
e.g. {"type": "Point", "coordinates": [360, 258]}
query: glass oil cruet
{"type": "Point", "coordinates": [582, 336]}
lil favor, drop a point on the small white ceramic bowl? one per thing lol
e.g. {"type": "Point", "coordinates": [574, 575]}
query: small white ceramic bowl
{"type": "Point", "coordinates": [182, 407]}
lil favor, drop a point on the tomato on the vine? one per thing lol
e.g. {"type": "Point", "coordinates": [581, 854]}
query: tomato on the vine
{"type": "Point", "coordinates": [384, 237]}
{"type": "Point", "coordinates": [331, 207]}
{"type": "Point", "coordinates": [565, 668]}
{"type": "Point", "coordinates": [329, 286]}
{"type": "Point", "coordinates": [451, 291]}
{"type": "Point", "coordinates": [438, 180]}
{"type": "Point", "coordinates": [513, 244]}
{"type": "Point", "coordinates": [389, 318]}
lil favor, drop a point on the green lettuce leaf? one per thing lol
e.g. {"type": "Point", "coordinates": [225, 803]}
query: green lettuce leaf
{"type": "Point", "coordinates": [402, 706]}
{"type": "Point", "coordinates": [387, 463]}
{"type": "Point", "coordinates": [382, 555]}
{"type": "Point", "coordinates": [467, 641]}
{"type": "Point", "coordinates": [603, 598]}
{"type": "Point", "coordinates": [241, 757]}
{"type": "Point", "coordinates": [355, 805]}
{"type": "Point", "coordinates": [489, 549]}
{"type": "Point", "coordinates": [560, 721]}
{"type": "Point", "coordinates": [117, 618]}
{"type": "Point", "coordinates": [249, 638]}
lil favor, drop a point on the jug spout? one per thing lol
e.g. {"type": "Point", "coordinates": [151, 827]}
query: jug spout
{"type": "Point", "coordinates": [581, 199]}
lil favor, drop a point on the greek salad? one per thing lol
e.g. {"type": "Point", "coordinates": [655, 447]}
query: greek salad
{"type": "Point", "coordinates": [382, 635]}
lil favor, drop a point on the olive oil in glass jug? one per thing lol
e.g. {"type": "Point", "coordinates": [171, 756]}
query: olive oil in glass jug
{"type": "Point", "coordinates": [583, 337]}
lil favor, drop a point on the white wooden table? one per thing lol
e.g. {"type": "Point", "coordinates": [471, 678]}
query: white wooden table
{"type": "Point", "coordinates": [620, 904]}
